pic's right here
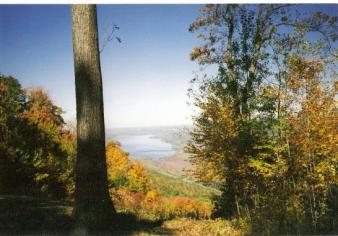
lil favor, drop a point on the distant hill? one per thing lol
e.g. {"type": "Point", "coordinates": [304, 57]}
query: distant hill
{"type": "Point", "coordinates": [174, 165]}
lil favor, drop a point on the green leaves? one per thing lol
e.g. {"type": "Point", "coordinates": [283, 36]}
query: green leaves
{"type": "Point", "coordinates": [35, 144]}
{"type": "Point", "coordinates": [264, 129]}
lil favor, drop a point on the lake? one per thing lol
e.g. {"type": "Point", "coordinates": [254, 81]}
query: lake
{"type": "Point", "coordinates": [145, 146]}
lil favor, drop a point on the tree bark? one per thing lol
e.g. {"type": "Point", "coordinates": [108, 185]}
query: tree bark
{"type": "Point", "coordinates": [93, 206]}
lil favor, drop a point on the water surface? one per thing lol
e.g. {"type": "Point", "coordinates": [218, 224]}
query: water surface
{"type": "Point", "coordinates": [145, 146]}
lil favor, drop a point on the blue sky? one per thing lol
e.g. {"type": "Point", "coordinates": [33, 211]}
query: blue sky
{"type": "Point", "coordinates": [145, 78]}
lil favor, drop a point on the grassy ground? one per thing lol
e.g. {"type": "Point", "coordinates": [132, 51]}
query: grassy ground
{"type": "Point", "coordinates": [30, 216]}
{"type": "Point", "coordinates": [189, 227]}
{"type": "Point", "coordinates": [26, 215]}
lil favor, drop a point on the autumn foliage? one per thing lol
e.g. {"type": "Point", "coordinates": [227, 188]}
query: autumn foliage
{"type": "Point", "coordinates": [265, 127]}
{"type": "Point", "coordinates": [264, 135]}
{"type": "Point", "coordinates": [37, 150]}
{"type": "Point", "coordinates": [132, 191]}
{"type": "Point", "coordinates": [38, 153]}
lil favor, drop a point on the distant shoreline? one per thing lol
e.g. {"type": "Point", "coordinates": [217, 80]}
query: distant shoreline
{"type": "Point", "coordinates": [177, 136]}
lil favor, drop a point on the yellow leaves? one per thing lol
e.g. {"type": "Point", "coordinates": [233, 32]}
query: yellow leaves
{"type": "Point", "coordinates": [41, 177]}
{"type": "Point", "coordinates": [196, 52]}
{"type": "Point", "coordinates": [189, 227]}
{"type": "Point", "coordinates": [324, 173]}
{"type": "Point", "coordinates": [217, 129]}
{"type": "Point", "coordinates": [153, 206]}
{"type": "Point", "coordinates": [311, 126]}
{"type": "Point", "coordinates": [262, 167]}
{"type": "Point", "coordinates": [122, 172]}
{"type": "Point", "coordinates": [137, 196]}
{"type": "Point", "coordinates": [138, 179]}
{"type": "Point", "coordinates": [152, 196]}
{"type": "Point", "coordinates": [268, 91]}
{"type": "Point", "coordinates": [117, 161]}
{"type": "Point", "coordinates": [202, 54]}
{"type": "Point", "coordinates": [312, 137]}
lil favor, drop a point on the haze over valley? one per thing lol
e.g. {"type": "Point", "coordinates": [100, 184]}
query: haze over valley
{"type": "Point", "coordinates": [159, 148]}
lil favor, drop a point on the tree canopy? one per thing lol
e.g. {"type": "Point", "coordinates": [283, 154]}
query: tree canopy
{"type": "Point", "coordinates": [264, 129]}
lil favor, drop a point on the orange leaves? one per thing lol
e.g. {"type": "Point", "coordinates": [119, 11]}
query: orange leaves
{"type": "Point", "coordinates": [133, 192]}
{"type": "Point", "coordinates": [303, 73]}
{"type": "Point", "coordinates": [187, 207]}
{"type": "Point", "coordinates": [313, 137]}
{"type": "Point", "coordinates": [42, 149]}
{"type": "Point", "coordinates": [125, 200]}
{"type": "Point", "coordinates": [152, 206]}
{"type": "Point", "coordinates": [41, 113]}
{"type": "Point", "coordinates": [312, 126]}
{"type": "Point", "coordinates": [2, 86]}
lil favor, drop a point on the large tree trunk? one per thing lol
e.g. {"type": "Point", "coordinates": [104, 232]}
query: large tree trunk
{"type": "Point", "coordinates": [93, 206]}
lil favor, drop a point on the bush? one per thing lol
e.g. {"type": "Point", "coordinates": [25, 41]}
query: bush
{"type": "Point", "coordinates": [152, 206]}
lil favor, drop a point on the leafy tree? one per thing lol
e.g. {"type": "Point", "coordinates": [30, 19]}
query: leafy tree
{"type": "Point", "coordinates": [236, 38]}
{"type": "Point", "coordinates": [50, 158]}
{"type": "Point", "coordinates": [12, 101]}
{"type": "Point", "coordinates": [37, 151]}
{"type": "Point", "coordinates": [123, 173]}
{"type": "Point", "coordinates": [313, 159]}
{"type": "Point", "coordinates": [118, 164]}
{"type": "Point", "coordinates": [243, 140]}
{"type": "Point", "coordinates": [138, 180]}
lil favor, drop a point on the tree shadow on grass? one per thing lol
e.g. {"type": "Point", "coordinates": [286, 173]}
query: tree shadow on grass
{"type": "Point", "coordinates": [26, 215]}
{"type": "Point", "coordinates": [128, 224]}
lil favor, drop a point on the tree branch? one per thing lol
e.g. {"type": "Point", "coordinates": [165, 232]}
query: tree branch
{"type": "Point", "coordinates": [110, 36]}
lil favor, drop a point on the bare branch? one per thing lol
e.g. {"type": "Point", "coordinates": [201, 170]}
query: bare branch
{"type": "Point", "coordinates": [110, 36]}
{"type": "Point", "coordinates": [281, 6]}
